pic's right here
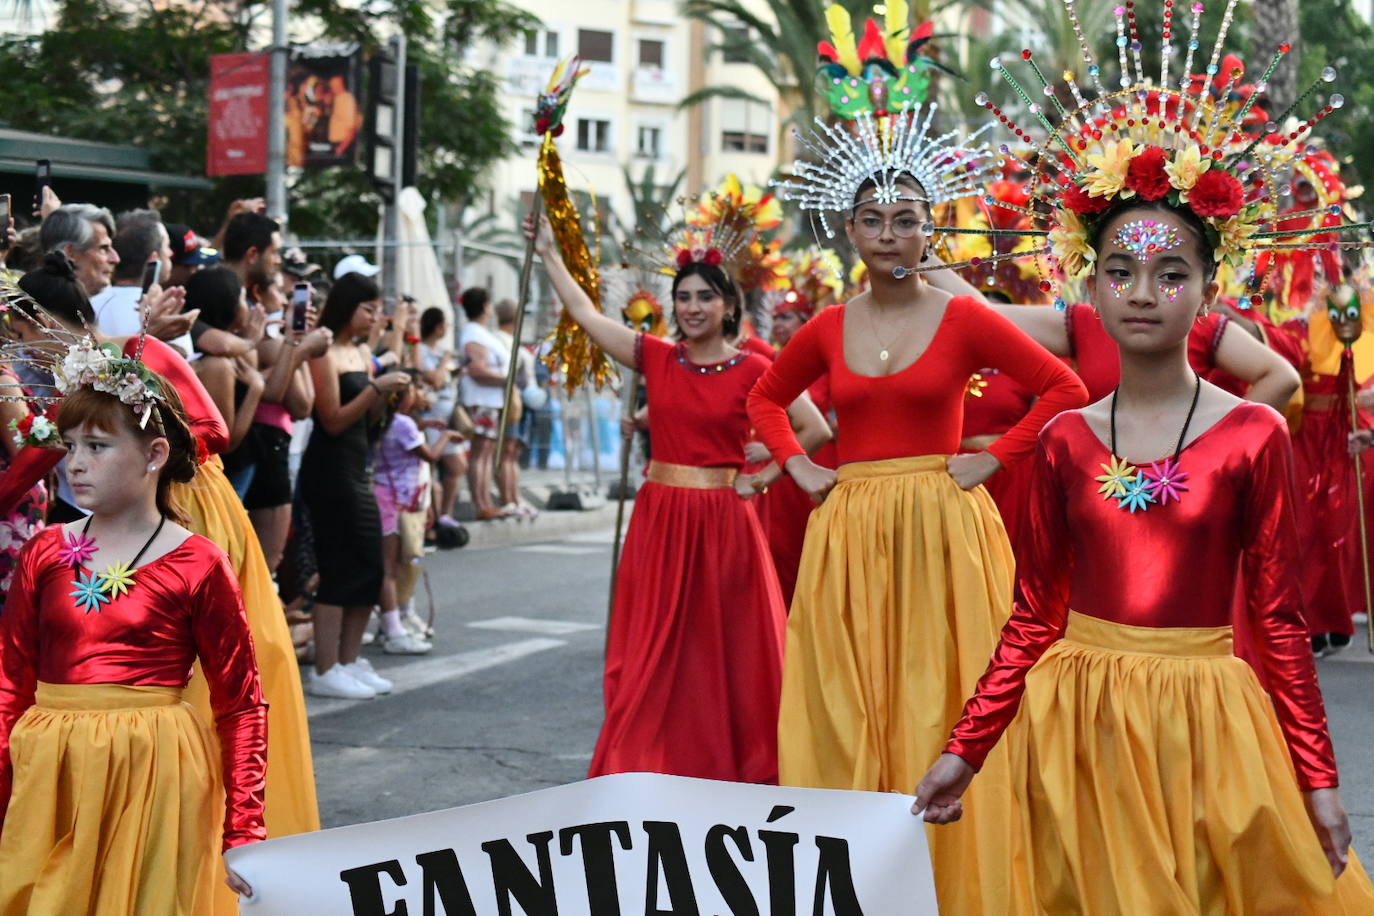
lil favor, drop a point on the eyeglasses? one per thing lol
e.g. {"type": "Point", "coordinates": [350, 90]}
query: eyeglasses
{"type": "Point", "coordinates": [903, 226]}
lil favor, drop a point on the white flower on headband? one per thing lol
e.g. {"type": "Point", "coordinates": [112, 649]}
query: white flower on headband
{"type": "Point", "coordinates": [106, 369]}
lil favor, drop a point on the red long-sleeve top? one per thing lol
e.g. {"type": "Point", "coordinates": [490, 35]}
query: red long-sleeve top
{"type": "Point", "coordinates": [183, 605]}
{"type": "Point", "coordinates": [207, 423]}
{"type": "Point", "coordinates": [919, 410]}
{"type": "Point", "coordinates": [1086, 553]}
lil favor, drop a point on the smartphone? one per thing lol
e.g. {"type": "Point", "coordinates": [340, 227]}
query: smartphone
{"type": "Point", "coordinates": [152, 272]}
{"type": "Point", "coordinates": [389, 305]}
{"type": "Point", "coordinates": [300, 305]}
{"type": "Point", "coordinates": [4, 221]}
{"type": "Point", "coordinates": [42, 176]}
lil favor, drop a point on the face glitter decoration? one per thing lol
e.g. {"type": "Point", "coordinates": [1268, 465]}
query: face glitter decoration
{"type": "Point", "coordinates": [1170, 291]}
{"type": "Point", "coordinates": [1146, 238]}
{"type": "Point", "coordinates": [1120, 287]}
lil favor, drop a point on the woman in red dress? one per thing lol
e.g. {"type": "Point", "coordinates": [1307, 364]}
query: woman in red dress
{"type": "Point", "coordinates": [1151, 771]}
{"type": "Point", "coordinates": [694, 658]}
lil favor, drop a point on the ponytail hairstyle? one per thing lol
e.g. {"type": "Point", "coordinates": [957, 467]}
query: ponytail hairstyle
{"type": "Point", "coordinates": [107, 413]}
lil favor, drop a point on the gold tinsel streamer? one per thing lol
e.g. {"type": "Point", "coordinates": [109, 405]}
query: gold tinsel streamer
{"type": "Point", "coordinates": [571, 352]}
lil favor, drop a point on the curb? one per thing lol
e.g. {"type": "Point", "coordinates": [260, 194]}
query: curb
{"type": "Point", "coordinates": [547, 526]}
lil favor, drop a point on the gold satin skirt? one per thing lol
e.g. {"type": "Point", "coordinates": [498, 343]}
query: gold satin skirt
{"type": "Point", "coordinates": [1155, 780]}
{"type": "Point", "coordinates": [905, 582]}
{"type": "Point", "coordinates": [291, 807]}
{"type": "Point", "coordinates": [113, 809]}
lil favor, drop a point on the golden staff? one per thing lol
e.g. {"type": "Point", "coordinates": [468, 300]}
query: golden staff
{"type": "Point", "coordinates": [627, 439]}
{"type": "Point", "coordinates": [1347, 323]}
{"type": "Point", "coordinates": [526, 269]}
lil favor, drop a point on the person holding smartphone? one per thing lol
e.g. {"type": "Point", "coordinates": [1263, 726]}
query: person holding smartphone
{"type": "Point", "coordinates": [145, 261]}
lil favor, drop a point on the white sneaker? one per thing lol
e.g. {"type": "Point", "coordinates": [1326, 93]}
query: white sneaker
{"type": "Point", "coordinates": [338, 683]}
{"type": "Point", "coordinates": [363, 672]}
{"type": "Point", "coordinates": [405, 644]}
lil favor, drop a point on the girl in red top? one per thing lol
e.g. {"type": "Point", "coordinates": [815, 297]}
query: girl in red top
{"type": "Point", "coordinates": [694, 656]}
{"type": "Point", "coordinates": [1150, 768]}
{"type": "Point", "coordinates": [906, 571]}
{"type": "Point", "coordinates": [107, 780]}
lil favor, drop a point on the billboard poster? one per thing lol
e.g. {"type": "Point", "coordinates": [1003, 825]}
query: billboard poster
{"type": "Point", "coordinates": [324, 118]}
{"type": "Point", "coordinates": [237, 144]}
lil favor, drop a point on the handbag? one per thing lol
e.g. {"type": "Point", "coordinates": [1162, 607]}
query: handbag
{"type": "Point", "coordinates": [462, 423]}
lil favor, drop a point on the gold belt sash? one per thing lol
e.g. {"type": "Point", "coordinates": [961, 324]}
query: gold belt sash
{"type": "Point", "coordinates": [104, 696]}
{"type": "Point", "coordinates": [691, 478]}
{"type": "Point", "coordinates": [1179, 642]}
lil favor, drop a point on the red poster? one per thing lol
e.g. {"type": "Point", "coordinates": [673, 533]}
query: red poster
{"type": "Point", "coordinates": [238, 114]}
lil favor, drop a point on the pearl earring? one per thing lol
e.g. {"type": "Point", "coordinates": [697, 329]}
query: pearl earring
{"type": "Point", "coordinates": [152, 467]}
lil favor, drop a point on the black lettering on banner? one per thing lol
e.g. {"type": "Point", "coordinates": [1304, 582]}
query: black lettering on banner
{"type": "Point", "coordinates": [665, 850]}
{"type": "Point", "coordinates": [833, 871]}
{"type": "Point", "coordinates": [598, 861]}
{"type": "Point", "coordinates": [441, 875]}
{"type": "Point", "coordinates": [779, 849]}
{"type": "Point", "coordinates": [365, 888]}
{"type": "Point", "coordinates": [734, 890]}
{"type": "Point", "coordinates": [512, 878]}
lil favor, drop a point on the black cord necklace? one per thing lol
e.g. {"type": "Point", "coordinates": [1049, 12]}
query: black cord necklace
{"type": "Point", "coordinates": [1135, 490]}
{"type": "Point", "coordinates": [91, 590]}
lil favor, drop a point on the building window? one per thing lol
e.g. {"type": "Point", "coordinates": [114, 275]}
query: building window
{"type": "Point", "coordinates": [650, 143]}
{"type": "Point", "coordinates": [541, 43]}
{"type": "Point", "coordinates": [595, 45]}
{"type": "Point", "coordinates": [745, 126]}
{"type": "Point", "coordinates": [651, 54]}
{"type": "Point", "coordinates": [735, 40]}
{"type": "Point", "coordinates": [593, 135]}
{"type": "Point", "coordinates": [524, 128]}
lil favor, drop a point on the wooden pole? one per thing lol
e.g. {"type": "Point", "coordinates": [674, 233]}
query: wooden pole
{"type": "Point", "coordinates": [1359, 500]}
{"type": "Point", "coordinates": [526, 269]}
{"type": "Point", "coordinates": [627, 439]}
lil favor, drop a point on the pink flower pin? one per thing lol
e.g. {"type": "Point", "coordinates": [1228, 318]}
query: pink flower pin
{"type": "Point", "coordinates": [76, 550]}
{"type": "Point", "coordinates": [1165, 481]}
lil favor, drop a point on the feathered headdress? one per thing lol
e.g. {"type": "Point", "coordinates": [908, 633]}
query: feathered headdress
{"type": "Point", "coordinates": [723, 228]}
{"type": "Point", "coordinates": [814, 283]}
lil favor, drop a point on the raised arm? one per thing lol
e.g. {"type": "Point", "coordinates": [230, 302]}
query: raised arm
{"type": "Point", "coordinates": [1046, 326]}
{"type": "Point", "coordinates": [1272, 379]}
{"type": "Point", "coordinates": [610, 335]}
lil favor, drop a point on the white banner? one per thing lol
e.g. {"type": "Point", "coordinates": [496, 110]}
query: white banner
{"type": "Point", "coordinates": [618, 845]}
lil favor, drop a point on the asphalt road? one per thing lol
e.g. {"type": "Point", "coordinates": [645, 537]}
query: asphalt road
{"type": "Point", "coordinates": [510, 700]}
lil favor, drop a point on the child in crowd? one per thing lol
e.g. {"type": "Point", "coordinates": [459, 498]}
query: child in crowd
{"type": "Point", "coordinates": [401, 482]}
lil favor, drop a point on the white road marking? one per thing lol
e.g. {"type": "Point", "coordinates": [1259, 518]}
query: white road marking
{"type": "Point", "coordinates": [530, 625]}
{"type": "Point", "coordinates": [420, 674]}
{"type": "Point", "coordinates": [563, 549]}
{"type": "Point", "coordinates": [606, 537]}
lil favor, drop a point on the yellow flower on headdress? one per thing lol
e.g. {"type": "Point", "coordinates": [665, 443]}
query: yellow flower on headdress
{"type": "Point", "coordinates": [1070, 241]}
{"type": "Point", "coordinates": [1109, 168]}
{"type": "Point", "coordinates": [734, 202]}
{"type": "Point", "coordinates": [1234, 238]}
{"type": "Point", "coordinates": [1187, 168]}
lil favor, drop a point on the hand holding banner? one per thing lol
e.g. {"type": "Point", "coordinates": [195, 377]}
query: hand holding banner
{"type": "Point", "coordinates": [632, 843]}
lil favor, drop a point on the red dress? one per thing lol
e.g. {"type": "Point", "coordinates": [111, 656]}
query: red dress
{"type": "Point", "coordinates": [183, 605]}
{"type": "Point", "coordinates": [694, 658]}
{"type": "Point", "coordinates": [785, 509]}
{"type": "Point", "coordinates": [999, 405]}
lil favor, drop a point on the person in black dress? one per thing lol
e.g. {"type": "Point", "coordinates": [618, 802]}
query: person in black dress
{"type": "Point", "coordinates": [336, 488]}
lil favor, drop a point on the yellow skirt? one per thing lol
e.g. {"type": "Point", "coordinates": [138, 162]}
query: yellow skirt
{"type": "Point", "coordinates": [1155, 779]}
{"type": "Point", "coordinates": [905, 582]}
{"type": "Point", "coordinates": [113, 807]}
{"type": "Point", "coordinates": [217, 513]}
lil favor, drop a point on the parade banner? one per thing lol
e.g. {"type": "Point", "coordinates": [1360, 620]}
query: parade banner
{"type": "Point", "coordinates": [635, 843]}
{"type": "Point", "coordinates": [238, 114]}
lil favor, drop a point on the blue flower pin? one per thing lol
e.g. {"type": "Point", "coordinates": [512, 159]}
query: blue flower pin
{"type": "Point", "coordinates": [1138, 495]}
{"type": "Point", "coordinates": [89, 591]}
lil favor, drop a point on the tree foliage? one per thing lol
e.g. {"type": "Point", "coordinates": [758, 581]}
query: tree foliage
{"type": "Point", "coordinates": [138, 74]}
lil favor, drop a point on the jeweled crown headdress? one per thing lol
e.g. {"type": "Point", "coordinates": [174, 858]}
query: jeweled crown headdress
{"type": "Point", "coordinates": [1181, 141]}
{"type": "Point", "coordinates": [878, 91]}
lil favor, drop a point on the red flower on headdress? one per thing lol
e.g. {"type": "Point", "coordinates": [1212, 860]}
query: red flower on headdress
{"type": "Point", "coordinates": [202, 451]}
{"type": "Point", "coordinates": [1083, 203]}
{"type": "Point", "coordinates": [1146, 175]}
{"type": "Point", "coordinates": [1217, 193]}
{"type": "Point", "coordinates": [712, 257]}
{"type": "Point", "coordinates": [684, 257]}
{"type": "Point", "coordinates": [25, 425]}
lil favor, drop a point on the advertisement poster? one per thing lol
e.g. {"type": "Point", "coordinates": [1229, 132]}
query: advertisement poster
{"type": "Point", "coordinates": [324, 117]}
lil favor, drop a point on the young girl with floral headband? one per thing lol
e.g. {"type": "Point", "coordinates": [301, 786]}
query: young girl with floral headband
{"type": "Point", "coordinates": [107, 777]}
{"type": "Point", "coordinates": [694, 657]}
{"type": "Point", "coordinates": [906, 571]}
{"type": "Point", "coordinates": [1150, 771]}
{"type": "Point", "coordinates": [215, 512]}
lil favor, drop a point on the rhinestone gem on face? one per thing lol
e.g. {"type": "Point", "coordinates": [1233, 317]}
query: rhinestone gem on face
{"type": "Point", "coordinates": [1146, 238]}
